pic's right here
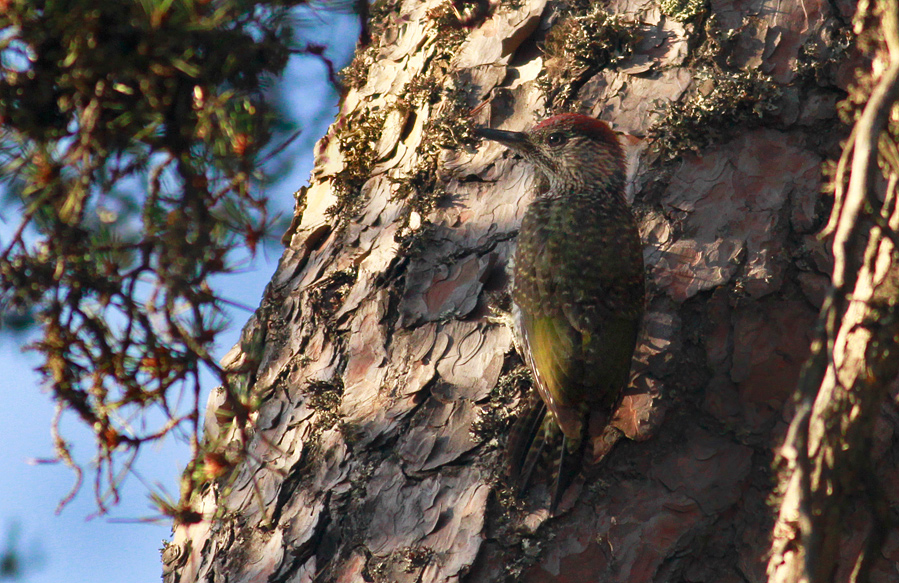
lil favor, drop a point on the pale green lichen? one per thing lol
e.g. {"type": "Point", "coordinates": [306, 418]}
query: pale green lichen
{"type": "Point", "coordinates": [495, 416]}
{"type": "Point", "coordinates": [448, 127]}
{"type": "Point", "coordinates": [581, 45]}
{"type": "Point", "coordinates": [357, 134]}
{"type": "Point", "coordinates": [718, 102]}
{"type": "Point", "coordinates": [683, 10]}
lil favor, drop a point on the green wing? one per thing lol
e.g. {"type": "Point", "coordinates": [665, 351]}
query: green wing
{"type": "Point", "coordinates": [578, 369]}
{"type": "Point", "coordinates": [553, 348]}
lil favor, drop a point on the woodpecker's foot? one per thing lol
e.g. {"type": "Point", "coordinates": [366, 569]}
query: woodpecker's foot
{"type": "Point", "coordinates": [507, 319]}
{"type": "Point", "coordinates": [500, 316]}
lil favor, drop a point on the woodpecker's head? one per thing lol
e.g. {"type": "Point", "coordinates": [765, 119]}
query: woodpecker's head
{"type": "Point", "coordinates": [573, 151]}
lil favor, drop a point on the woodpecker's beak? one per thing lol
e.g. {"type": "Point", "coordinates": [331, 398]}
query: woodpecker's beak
{"type": "Point", "coordinates": [517, 141]}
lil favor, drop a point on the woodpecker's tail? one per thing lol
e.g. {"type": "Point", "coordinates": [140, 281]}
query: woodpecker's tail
{"type": "Point", "coordinates": [566, 465]}
{"type": "Point", "coordinates": [525, 443]}
{"type": "Point", "coordinates": [537, 439]}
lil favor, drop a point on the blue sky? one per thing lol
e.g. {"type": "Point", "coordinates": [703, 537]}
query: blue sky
{"type": "Point", "coordinates": [68, 548]}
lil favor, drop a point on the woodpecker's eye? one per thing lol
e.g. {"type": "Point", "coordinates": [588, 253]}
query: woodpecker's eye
{"type": "Point", "coordinates": [556, 139]}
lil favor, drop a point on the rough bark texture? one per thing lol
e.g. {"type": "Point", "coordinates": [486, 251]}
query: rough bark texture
{"type": "Point", "coordinates": [386, 389]}
{"type": "Point", "coordinates": [835, 461]}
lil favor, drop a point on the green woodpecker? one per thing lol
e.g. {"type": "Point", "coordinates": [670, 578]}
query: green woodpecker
{"type": "Point", "coordinates": [578, 291]}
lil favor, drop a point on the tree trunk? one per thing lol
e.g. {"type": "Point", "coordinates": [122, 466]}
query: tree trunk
{"type": "Point", "coordinates": [837, 463]}
{"type": "Point", "coordinates": [386, 388]}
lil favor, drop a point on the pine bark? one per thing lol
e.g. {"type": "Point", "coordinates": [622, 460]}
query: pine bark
{"type": "Point", "coordinates": [386, 388]}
